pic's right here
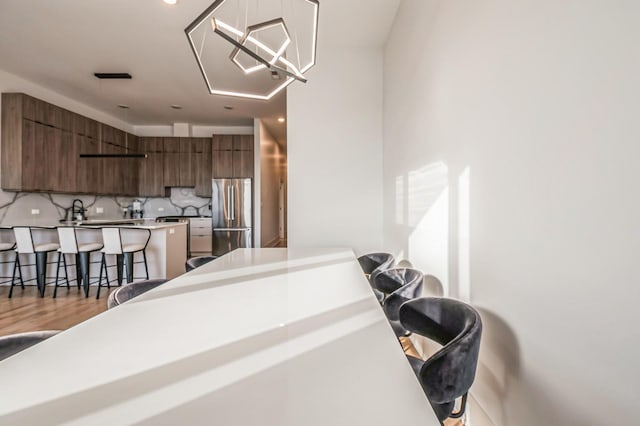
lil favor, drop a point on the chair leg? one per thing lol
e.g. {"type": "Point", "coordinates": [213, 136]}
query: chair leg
{"type": "Point", "coordinates": [55, 286]}
{"type": "Point", "coordinates": [128, 262]}
{"type": "Point", "coordinates": [463, 405]}
{"type": "Point", "coordinates": [78, 274]}
{"type": "Point", "coordinates": [103, 264]}
{"type": "Point", "coordinates": [146, 268]}
{"type": "Point", "coordinates": [119, 266]}
{"type": "Point", "coordinates": [16, 265]}
{"type": "Point", "coordinates": [66, 273]}
{"type": "Point", "coordinates": [84, 270]}
{"type": "Point", "coordinates": [20, 271]}
{"type": "Point", "coordinates": [41, 270]}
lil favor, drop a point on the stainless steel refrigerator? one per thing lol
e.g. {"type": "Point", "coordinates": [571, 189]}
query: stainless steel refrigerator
{"type": "Point", "coordinates": [231, 215]}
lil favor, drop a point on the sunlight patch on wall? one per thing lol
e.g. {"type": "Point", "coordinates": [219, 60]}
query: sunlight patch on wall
{"type": "Point", "coordinates": [428, 215]}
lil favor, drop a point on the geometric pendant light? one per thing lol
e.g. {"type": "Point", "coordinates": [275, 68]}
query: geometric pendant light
{"type": "Point", "coordinates": [254, 48]}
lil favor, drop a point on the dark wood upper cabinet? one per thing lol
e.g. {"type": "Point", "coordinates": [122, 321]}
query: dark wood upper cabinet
{"type": "Point", "coordinates": [16, 130]}
{"type": "Point", "coordinates": [232, 156]}
{"type": "Point", "coordinates": [171, 162]}
{"type": "Point", "coordinates": [203, 164]}
{"type": "Point", "coordinates": [42, 144]}
{"type": "Point", "coordinates": [151, 169]}
{"type": "Point", "coordinates": [187, 162]}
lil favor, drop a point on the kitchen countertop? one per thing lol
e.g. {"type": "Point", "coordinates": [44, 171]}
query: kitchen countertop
{"type": "Point", "coordinates": [269, 337]}
{"type": "Point", "coordinates": [98, 223]}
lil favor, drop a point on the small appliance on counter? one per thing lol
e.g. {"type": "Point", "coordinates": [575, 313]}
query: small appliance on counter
{"type": "Point", "coordinates": [135, 210]}
{"type": "Point", "coordinates": [231, 215]}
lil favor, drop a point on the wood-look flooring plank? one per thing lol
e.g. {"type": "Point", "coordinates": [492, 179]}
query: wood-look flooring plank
{"type": "Point", "coordinates": [26, 311]}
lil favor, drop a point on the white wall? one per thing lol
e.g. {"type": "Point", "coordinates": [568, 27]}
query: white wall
{"type": "Point", "coordinates": [510, 148]}
{"type": "Point", "coordinates": [270, 170]}
{"type": "Point", "coordinates": [334, 151]}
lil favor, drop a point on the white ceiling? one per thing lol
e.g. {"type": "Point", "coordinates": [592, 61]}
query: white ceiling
{"type": "Point", "coordinates": [60, 44]}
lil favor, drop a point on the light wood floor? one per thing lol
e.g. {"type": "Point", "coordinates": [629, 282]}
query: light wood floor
{"type": "Point", "coordinates": [25, 311]}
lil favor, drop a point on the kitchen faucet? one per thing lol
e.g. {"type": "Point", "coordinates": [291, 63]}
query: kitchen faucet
{"type": "Point", "coordinates": [77, 213]}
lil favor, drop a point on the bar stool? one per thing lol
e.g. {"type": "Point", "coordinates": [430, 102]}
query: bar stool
{"type": "Point", "coordinates": [14, 343]}
{"type": "Point", "coordinates": [196, 262]}
{"type": "Point", "coordinates": [7, 245]}
{"type": "Point", "coordinates": [25, 245]}
{"type": "Point", "coordinates": [68, 236]}
{"type": "Point", "coordinates": [129, 291]}
{"type": "Point", "coordinates": [112, 239]}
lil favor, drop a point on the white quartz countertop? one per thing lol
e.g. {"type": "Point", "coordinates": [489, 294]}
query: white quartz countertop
{"type": "Point", "coordinates": [268, 337]}
{"type": "Point", "coordinates": [99, 223]}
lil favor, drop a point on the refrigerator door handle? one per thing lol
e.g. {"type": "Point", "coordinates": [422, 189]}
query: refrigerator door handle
{"type": "Point", "coordinates": [233, 202]}
{"type": "Point", "coordinates": [228, 203]}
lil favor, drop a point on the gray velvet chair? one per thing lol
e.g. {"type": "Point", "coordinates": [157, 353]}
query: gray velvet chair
{"type": "Point", "coordinates": [449, 373]}
{"type": "Point", "coordinates": [397, 286]}
{"type": "Point", "coordinates": [374, 263]}
{"type": "Point", "coordinates": [196, 262]}
{"type": "Point", "coordinates": [129, 291]}
{"type": "Point", "coordinates": [14, 343]}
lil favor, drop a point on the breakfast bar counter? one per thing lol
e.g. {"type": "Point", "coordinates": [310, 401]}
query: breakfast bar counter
{"type": "Point", "coordinates": [166, 250]}
{"type": "Point", "coordinates": [258, 337]}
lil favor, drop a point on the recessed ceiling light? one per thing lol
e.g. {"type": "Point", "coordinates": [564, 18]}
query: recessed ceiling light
{"type": "Point", "coordinates": [176, 106]}
{"type": "Point", "coordinates": [170, 1]}
{"type": "Point", "coordinates": [123, 106]}
{"type": "Point", "coordinates": [281, 120]}
{"type": "Point", "coordinates": [228, 108]}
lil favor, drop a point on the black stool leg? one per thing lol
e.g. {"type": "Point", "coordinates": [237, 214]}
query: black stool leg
{"type": "Point", "coordinates": [146, 268]}
{"type": "Point", "coordinates": [119, 264]}
{"type": "Point", "coordinates": [66, 273]}
{"type": "Point", "coordinates": [78, 273]}
{"type": "Point", "coordinates": [128, 260]}
{"type": "Point", "coordinates": [103, 264]}
{"type": "Point", "coordinates": [16, 265]}
{"type": "Point", "coordinates": [55, 286]}
{"type": "Point", "coordinates": [20, 271]}
{"type": "Point", "coordinates": [41, 270]}
{"type": "Point", "coordinates": [84, 271]}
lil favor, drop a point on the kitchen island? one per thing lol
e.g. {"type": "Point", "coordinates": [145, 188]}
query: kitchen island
{"type": "Point", "coordinates": [166, 251]}
{"type": "Point", "coordinates": [258, 337]}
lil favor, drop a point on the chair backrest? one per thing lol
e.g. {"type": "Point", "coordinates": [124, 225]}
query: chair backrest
{"type": "Point", "coordinates": [24, 240]}
{"type": "Point", "coordinates": [68, 240]}
{"type": "Point", "coordinates": [196, 262]}
{"type": "Point", "coordinates": [14, 343]}
{"type": "Point", "coordinates": [374, 263]}
{"type": "Point", "coordinates": [450, 372]}
{"type": "Point", "coordinates": [129, 291]}
{"type": "Point", "coordinates": [400, 285]}
{"type": "Point", "coordinates": [112, 240]}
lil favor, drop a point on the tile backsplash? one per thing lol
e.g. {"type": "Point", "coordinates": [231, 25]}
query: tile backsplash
{"type": "Point", "coordinates": [15, 206]}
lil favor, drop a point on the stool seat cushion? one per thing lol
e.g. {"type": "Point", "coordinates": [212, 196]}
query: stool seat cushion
{"type": "Point", "coordinates": [6, 246]}
{"type": "Point", "coordinates": [126, 248]}
{"type": "Point", "coordinates": [89, 247]}
{"type": "Point", "coordinates": [46, 247]}
{"type": "Point", "coordinates": [132, 247]}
